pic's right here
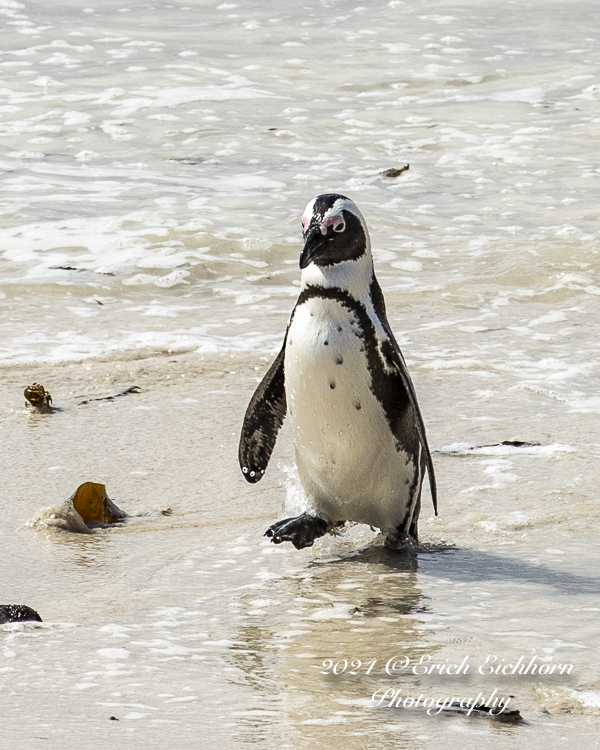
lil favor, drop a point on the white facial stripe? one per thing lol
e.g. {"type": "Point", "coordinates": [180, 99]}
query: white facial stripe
{"type": "Point", "coordinates": [335, 214]}
{"type": "Point", "coordinates": [307, 215]}
{"type": "Point", "coordinates": [341, 204]}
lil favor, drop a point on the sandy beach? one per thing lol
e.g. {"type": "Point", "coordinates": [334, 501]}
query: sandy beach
{"type": "Point", "coordinates": [178, 623]}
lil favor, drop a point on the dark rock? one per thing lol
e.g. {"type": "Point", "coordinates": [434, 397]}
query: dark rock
{"type": "Point", "coordinates": [17, 613]}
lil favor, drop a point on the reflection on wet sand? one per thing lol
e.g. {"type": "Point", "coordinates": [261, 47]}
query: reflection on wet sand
{"type": "Point", "coordinates": [358, 611]}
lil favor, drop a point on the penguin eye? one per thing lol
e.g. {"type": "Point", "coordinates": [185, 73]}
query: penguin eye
{"type": "Point", "coordinates": [339, 227]}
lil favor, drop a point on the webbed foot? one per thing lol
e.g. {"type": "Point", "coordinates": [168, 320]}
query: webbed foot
{"type": "Point", "coordinates": [400, 541]}
{"type": "Point", "coordinates": [300, 531]}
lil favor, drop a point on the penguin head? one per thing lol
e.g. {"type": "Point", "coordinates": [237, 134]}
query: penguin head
{"type": "Point", "coordinates": [334, 232]}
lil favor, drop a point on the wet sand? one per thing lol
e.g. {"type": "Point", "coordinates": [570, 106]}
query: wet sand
{"type": "Point", "coordinates": [192, 626]}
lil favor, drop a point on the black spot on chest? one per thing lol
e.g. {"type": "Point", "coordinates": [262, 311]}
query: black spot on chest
{"type": "Point", "coordinates": [385, 379]}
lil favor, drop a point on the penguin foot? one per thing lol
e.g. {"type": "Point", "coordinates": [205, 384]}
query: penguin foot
{"type": "Point", "coordinates": [400, 541]}
{"type": "Point", "coordinates": [300, 531]}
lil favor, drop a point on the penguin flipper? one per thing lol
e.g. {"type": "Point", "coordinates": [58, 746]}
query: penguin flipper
{"type": "Point", "coordinates": [393, 355]}
{"type": "Point", "coordinates": [264, 417]}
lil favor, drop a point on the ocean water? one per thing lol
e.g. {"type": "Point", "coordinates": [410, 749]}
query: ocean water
{"type": "Point", "coordinates": [165, 155]}
{"type": "Point", "coordinates": [155, 161]}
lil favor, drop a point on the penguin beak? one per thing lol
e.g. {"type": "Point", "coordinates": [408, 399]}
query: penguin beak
{"type": "Point", "coordinates": [314, 243]}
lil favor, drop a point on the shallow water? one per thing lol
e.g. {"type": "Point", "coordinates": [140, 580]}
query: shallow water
{"type": "Point", "coordinates": [194, 625]}
{"type": "Point", "coordinates": [155, 165]}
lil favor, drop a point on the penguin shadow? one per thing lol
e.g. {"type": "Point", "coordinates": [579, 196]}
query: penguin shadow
{"type": "Point", "coordinates": [473, 566]}
{"type": "Point", "coordinates": [469, 566]}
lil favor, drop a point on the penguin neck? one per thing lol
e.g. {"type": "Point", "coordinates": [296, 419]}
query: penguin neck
{"type": "Point", "coordinates": [352, 276]}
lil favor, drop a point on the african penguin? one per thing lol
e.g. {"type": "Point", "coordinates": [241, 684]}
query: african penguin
{"type": "Point", "coordinates": [359, 436]}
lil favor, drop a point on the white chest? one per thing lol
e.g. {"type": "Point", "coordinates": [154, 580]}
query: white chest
{"type": "Point", "coordinates": [326, 369]}
{"type": "Point", "coordinates": [346, 454]}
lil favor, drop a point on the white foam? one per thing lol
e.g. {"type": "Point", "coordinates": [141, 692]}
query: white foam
{"type": "Point", "coordinates": [587, 405]}
{"type": "Point", "coordinates": [529, 95]}
{"type": "Point", "coordinates": [463, 449]}
{"type": "Point", "coordinates": [114, 653]}
{"type": "Point", "coordinates": [590, 698]}
{"type": "Point", "coordinates": [156, 98]}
